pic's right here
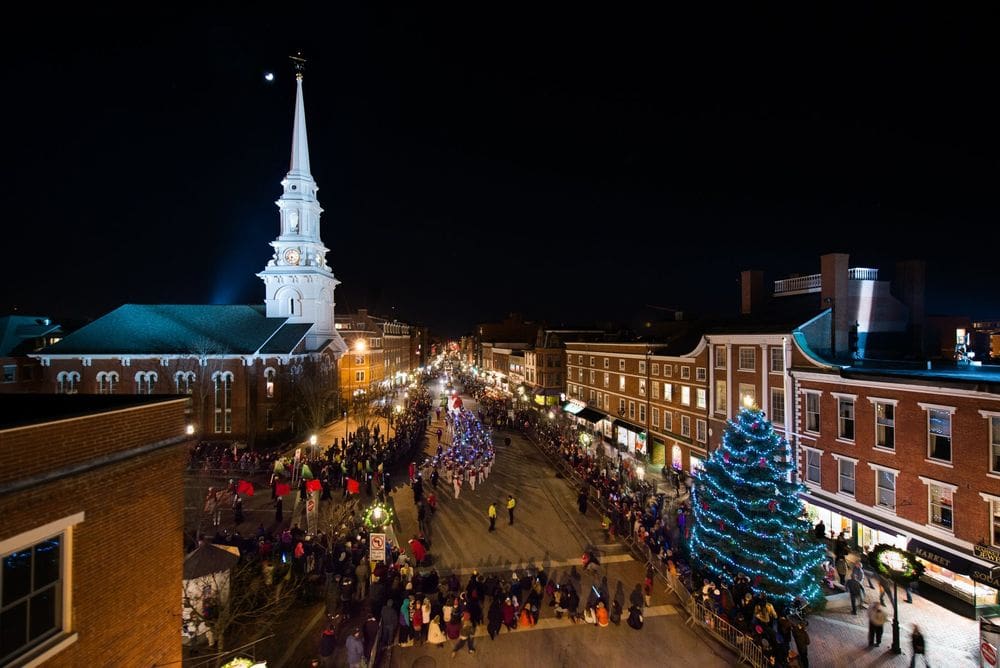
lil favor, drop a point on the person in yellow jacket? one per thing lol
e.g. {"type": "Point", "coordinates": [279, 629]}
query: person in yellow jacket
{"type": "Point", "coordinates": [492, 513]}
{"type": "Point", "coordinates": [510, 507]}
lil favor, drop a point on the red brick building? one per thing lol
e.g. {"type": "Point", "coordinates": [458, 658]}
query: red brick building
{"type": "Point", "coordinates": [91, 495]}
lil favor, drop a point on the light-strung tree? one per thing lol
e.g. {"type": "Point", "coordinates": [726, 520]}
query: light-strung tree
{"type": "Point", "coordinates": [748, 517]}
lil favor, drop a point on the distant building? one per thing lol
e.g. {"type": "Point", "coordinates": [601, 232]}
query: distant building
{"type": "Point", "coordinates": [92, 500]}
{"type": "Point", "coordinates": [381, 352]}
{"type": "Point", "coordinates": [21, 335]}
{"type": "Point", "coordinates": [238, 362]}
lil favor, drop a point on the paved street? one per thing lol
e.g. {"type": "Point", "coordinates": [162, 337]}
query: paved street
{"type": "Point", "coordinates": [550, 533]}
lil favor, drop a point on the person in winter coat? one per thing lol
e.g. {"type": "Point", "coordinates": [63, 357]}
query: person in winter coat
{"type": "Point", "coordinates": [466, 635]}
{"type": "Point", "coordinates": [602, 615]}
{"type": "Point", "coordinates": [417, 621]}
{"type": "Point", "coordinates": [508, 614]}
{"type": "Point", "coordinates": [435, 636]}
{"type": "Point", "coordinates": [494, 619]}
{"type": "Point", "coordinates": [419, 553]}
{"type": "Point", "coordinates": [390, 619]}
{"type": "Point", "coordinates": [801, 636]}
{"type": "Point", "coordinates": [355, 650]}
{"type": "Point", "coordinates": [327, 646]}
{"type": "Point", "coordinates": [637, 598]}
{"type": "Point", "coordinates": [404, 622]}
{"type": "Point", "coordinates": [876, 622]}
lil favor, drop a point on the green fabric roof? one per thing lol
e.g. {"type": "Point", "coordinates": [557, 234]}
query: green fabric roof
{"type": "Point", "coordinates": [286, 338]}
{"type": "Point", "coordinates": [172, 329]}
{"type": "Point", "coordinates": [18, 332]}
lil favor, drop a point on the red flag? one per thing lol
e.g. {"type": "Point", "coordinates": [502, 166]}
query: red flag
{"type": "Point", "coordinates": [282, 489]}
{"type": "Point", "coordinates": [352, 486]}
{"type": "Point", "coordinates": [244, 487]}
{"type": "Point", "coordinates": [313, 485]}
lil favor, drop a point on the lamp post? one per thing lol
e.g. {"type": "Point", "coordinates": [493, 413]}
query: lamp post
{"type": "Point", "coordinates": [901, 567]}
{"type": "Point", "coordinates": [360, 346]}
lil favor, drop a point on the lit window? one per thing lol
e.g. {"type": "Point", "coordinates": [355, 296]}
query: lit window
{"type": "Point", "coordinates": [656, 369]}
{"type": "Point", "coordinates": [748, 359]}
{"type": "Point", "coordinates": [223, 402]}
{"type": "Point", "coordinates": [656, 416]}
{"type": "Point", "coordinates": [885, 425]}
{"type": "Point", "coordinates": [994, 421]}
{"type": "Point", "coordinates": [642, 367]}
{"type": "Point", "coordinates": [939, 434]}
{"type": "Point", "coordinates": [941, 506]}
{"type": "Point", "coordinates": [621, 365]}
{"type": "Point", "coordinates": [656, 390]}
{"type": "Point", "coordinates": [700, 399]}
{"type": "Point", "coordinates": [685, 395]}
{"type": "Point", "coordinates": [668, 392]}
{"type": "Point", "coordinates": [721, 399]}
{"type": "Point", "coordinates": [668, 371]}
{"type": "Point", "coordinates": [642, 387]}
{"type": "Point", "coordinates": [720, 357]}
{"type": "Point", "coordinates": [748, 395]}
{"type": "Point", "coordinates": [621, 383]}
{"type": "Point", "coordinates": [607, 380]}
{"type": "Point", "coordinates": [621, 407]}
{"type": "Point", "coordinates": [269, 383]}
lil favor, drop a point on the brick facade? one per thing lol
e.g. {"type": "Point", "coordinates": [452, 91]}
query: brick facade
{"type": "Point", "coordinates": [126, 561]}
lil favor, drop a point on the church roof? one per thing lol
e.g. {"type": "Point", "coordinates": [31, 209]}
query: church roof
{"type": "Point", "coordinates": [174, 329]}
{"type": "Point", "coordinates": [286, 339]}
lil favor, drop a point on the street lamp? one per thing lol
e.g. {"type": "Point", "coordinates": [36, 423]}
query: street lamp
{"type": "Point", "coordinates": [901, 567]}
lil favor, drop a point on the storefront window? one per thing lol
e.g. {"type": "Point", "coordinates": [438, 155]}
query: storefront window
{"type": "Point", "coordinates": [696, 465]}
{"type": "Point", "coordinates": [677, 463]}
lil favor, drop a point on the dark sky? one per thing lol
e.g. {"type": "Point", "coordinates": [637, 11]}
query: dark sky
{"type": "Point", "coordinates": [569, 164]}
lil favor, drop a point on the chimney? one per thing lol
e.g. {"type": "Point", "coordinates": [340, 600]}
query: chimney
{"type": "Point", "coordinates": [833, 295]}
{"type": "Point", "coordinates": [751, 290]}
{"type": "Point", "coordinates": [909, 287]}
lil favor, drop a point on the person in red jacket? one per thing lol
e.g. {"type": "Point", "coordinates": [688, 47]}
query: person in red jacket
{"type": "Point", "coordinates": [419, 553]}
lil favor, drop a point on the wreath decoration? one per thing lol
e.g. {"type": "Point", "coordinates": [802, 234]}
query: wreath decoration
{"type": "Point", "coordinates": [377, 515]}
{"type": "Point", "coordinates": [895, 564]}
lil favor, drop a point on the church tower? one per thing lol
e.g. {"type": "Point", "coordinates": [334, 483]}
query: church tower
{"type": "Point", "coordinates": [299, 284]}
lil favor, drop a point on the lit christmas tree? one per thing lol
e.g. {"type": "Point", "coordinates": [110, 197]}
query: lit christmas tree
{"type": "Point", "coordinates": [748, 517]}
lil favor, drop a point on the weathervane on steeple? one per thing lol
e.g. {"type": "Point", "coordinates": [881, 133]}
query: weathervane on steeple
{"type": "Point", "coordinates": [299, 63]}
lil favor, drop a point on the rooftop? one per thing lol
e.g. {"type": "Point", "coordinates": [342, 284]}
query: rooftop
{"type": "Point", "coordinates": [987, 373]}
{"type": "Point", "coordinates": [23, 410]}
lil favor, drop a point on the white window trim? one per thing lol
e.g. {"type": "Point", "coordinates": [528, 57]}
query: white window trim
{"type": "Point", "coordinates": [685, 373]}
{"type": "Point", "coordinates": [784, 405]}
{"type": "Point", "coordinates": [854, 403]}
{"type": "Point", "coordinates": [951, 488]}
{"type": "Point", "coordinates": [988, 416]}
{"type": "Point", "coordinates": [895, 488]}
{"type": "Point", "coordinates": [770, 359]}
{"type": "Point", "coordinates": [987, 497]}
{"type": "Point", "coordinates": [701, 426]}
{"type": "Point", "coordinates": [739, 358]}
{"type": "Point", "coordinates": [701, 374]}
{"type": "Point", "coordinates": [840, 395]}
{"type": "Point", "coordinates": [838, 457]}
{"type": "Point", "coordinates": [928, 407]}
{"type": "Point", "coordinates": [880, 467]}
{"type": "Point", "coordinates": [933, 481]}
{"type": "Point", "coordinates": [63, 526]}
{"type": "Point", "coordinates": [805, 468]}
{"type": "Point", "coordinates": [688, 402]}
{"type": "Point", "coordinates": [878, 400]}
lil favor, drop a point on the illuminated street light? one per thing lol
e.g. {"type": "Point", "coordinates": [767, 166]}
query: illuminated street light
{"type": "Point", "coordinates": [190, 429]}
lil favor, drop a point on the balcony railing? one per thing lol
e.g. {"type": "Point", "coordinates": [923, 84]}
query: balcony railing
{"type": "Point", "coordinates": [800, 285]}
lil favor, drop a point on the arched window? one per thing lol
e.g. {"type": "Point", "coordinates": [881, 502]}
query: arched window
{"type": "Point", "coordinates": [223, 381]}
{"type": "Point", "coordinates": [66, 382]}
{"type": "Point", "coordinates": [107, 382]}
{"type": "Point", "coordinates": [145, 382]}
{"type": "Point", "coordinates": [184, 381]}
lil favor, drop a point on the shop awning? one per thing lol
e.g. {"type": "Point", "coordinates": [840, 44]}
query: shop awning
{"type": "Point", "coordinates": [856, 516]}
{"type": "Point", "coordinates": [945, 558]}
{"type": "Point", "coordinates": [628, 425]}
{"type": "Point", "coordinates": [592, 416]}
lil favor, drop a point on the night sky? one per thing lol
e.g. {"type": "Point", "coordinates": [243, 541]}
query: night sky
{"type": "Point", "coordinates": [572, 165]}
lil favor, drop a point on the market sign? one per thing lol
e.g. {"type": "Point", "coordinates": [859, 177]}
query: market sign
{"type": "Point", "coordinates": [988, 553]}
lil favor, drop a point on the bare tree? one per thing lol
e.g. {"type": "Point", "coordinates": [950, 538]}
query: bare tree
{"type": "Point", "coordinates": [256, 602]}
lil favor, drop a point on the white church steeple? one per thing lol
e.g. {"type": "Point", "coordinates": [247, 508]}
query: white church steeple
{"type": "Point", "coordinates": [299, 284]}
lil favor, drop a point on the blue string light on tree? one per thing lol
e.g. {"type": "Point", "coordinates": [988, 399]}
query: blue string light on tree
{"type": "Point", "coordinates": [748, 517]}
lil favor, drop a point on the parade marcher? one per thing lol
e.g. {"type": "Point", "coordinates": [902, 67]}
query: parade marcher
{"type": "Point", "coordinates": [278, 517]}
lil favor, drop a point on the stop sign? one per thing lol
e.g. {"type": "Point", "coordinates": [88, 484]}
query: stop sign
{"type": "Point", "coordinates": [989, 653]}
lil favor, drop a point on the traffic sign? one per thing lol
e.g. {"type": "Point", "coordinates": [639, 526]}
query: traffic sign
{"type": "Point", "coordinates": [989, 653]}
{"type": "Point", "coordinates": [376, 548]}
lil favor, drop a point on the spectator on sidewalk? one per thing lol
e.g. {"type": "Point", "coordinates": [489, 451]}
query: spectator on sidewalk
{"type": "Point", "coordinates": [919, 647]}
{"type": "Point", "coordinates": [876, 623]}
{"type": "Point", "coordinates": [801, 636]}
